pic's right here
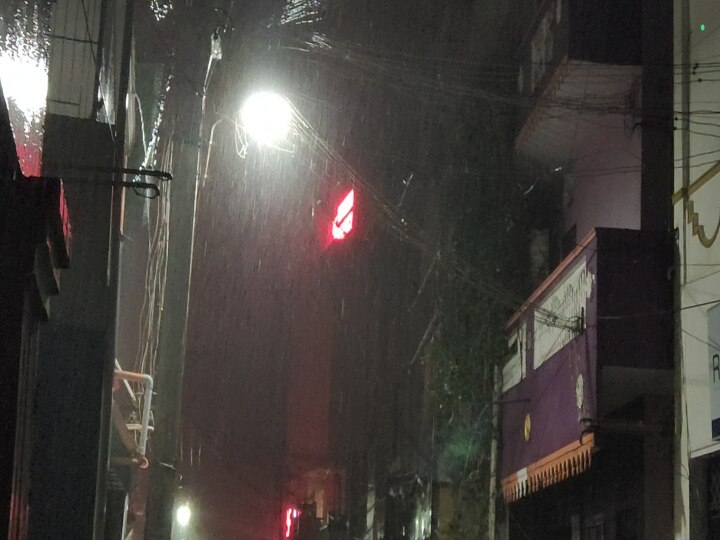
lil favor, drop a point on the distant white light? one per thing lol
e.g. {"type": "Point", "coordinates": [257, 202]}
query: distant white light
{"type": "Point", "coordinates": [266, 117]}
{"type": "Point", "coordinates": [183, 515]}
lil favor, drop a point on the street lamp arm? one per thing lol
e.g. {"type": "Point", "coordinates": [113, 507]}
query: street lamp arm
{"type": "Point", "coordinates": [212, 141]}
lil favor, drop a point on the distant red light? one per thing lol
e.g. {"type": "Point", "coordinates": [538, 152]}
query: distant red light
{"type": "Point", "coordinates": [343, 222]}
{"type": "Point", "coordinates": [291, 515]}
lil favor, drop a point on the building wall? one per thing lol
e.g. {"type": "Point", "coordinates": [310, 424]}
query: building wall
{"type": "Point", "coordinates": [24, 30]}
{"type": "Point", "coordinates": [696, 219]}
{"type": "Point", "coordinates": [73, 343]}
{"type": "Point", "coordinates": [607, 499]}
{"type": "Point", "coordinates": [19, 315]}
{"type": "Point", "coordinates": [616, 161]}
{"type": "Point", "coordinates": [74, 51]}
{"type": "Point", "coordinates": [605, 180]}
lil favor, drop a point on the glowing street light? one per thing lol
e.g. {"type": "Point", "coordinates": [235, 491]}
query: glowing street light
{"type": "Point", "coordinates": [266, 117]}
{"type": "Point", "coordinates": [183, 515]}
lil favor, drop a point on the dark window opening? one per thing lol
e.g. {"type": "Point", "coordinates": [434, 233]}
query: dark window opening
{"type": "Point", "coordinates": [569, 241]}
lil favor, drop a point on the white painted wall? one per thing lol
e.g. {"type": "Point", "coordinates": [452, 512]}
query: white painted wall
{"type": "Point", "coordinates": [606, 178]}
{"type": "Point", "coordinates": [699, 270]}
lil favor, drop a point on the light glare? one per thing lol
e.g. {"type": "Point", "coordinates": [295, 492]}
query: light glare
{"type": "Point", "coordinates": [183, 515]}
{"type": "Point", "coordinates": [24, 81]}
{"type": "Point", "coordinates": [266, 117]}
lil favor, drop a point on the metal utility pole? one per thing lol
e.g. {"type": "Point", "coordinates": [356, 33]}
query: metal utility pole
{"type": "Point", "coordinates": [492, 491]}
{"type": "Point", "coordinates": [113, 277]}
{"type": "Point", "coordinates": [171, 349]}
{"type": "Point", "coordinates": [173, 328]}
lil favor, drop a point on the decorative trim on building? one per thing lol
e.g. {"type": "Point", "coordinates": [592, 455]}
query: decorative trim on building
{"type": "Point", "coordinates": [552, 278]}
{"type": "Point", "coordinates": [571, 460]}
{"type": "Point", "coordinates": [693, 217]}
{"type": "Point", "coordinates": [697, 184]}
{"type": "Point", "coordinates": [543, 101]}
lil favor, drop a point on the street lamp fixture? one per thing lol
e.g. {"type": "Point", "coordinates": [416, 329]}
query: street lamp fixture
{"type": "Point", "coordinates": [266, 118]}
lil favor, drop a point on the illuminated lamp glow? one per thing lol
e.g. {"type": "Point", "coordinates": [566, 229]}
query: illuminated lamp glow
{"type": "Point", "coordinates": [24, 79]}
{"type": "Point", "coordinates": [266, 117]}
{"type": "Point", "coordinates": [183, 515]}
{"type": "Point", "coordinates": [25, 82]}
{"type": "Point", "coordinates": [343, 222]}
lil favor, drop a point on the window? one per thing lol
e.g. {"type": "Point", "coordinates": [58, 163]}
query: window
{"type": "Point", "coordinates": [595, 529]}
{"type": "Point", "coordinates": [569, 241]}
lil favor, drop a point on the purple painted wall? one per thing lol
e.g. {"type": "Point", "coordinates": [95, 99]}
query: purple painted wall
{"type": "Point", "coordinates": [628, 324]}
{"type": "Point", "coordinates": [549, 393]}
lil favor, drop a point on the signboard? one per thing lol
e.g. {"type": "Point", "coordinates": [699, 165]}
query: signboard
{"type": "Point", "coordinates": [343, 222]}
{"type": "Point", "coordinates": [546, 388]}
{"type": "Point", "coordinates": [714, 365]}
{"type": "Point", "coordinates": [567, 301]}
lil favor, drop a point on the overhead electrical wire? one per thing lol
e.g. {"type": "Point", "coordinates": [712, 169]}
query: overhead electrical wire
{"type": "Point", "coordinates": [463, 63]}
{"type": "Point", "coordinates": [597, 172]}
{"type": "Point", "coordinates": [452, 96]}
{"type": "Point", "coordinates": [712, 344]}
{"type": "Point", "coordinates": [407, 231]}
{"type": "Point", "coordinates": [155, 275]}
{"type": "Point", "coordinates": [91, 43]}
{"type": "Point", "coordinates": [372, 57]}
{"type": "Point", "coordinates": [456, 92]}
{"type": "Point", "coordinates": [658, 313]}
{"type": "Point", "coordinates": [400, 225]}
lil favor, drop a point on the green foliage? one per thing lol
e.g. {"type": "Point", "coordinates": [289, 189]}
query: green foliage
{"type": "Point", "coordinates": [470, 339]}
{"type": "Point", "coordinates": [488, 234]}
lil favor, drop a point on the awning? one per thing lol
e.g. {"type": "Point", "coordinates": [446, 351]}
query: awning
{"type": "Point", "coordinates": [568, 461]}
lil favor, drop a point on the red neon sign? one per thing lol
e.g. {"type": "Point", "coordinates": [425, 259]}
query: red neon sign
{"type": "Point", "coordinates": [343, 222]}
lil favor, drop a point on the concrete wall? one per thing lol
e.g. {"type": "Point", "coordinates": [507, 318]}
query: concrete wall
{"type": "Point", "coordinates": [605, 179]}
{"type": "Point", "coordinates": [696, 219]}
{"type": "Point", "coordinates": [71, 369]}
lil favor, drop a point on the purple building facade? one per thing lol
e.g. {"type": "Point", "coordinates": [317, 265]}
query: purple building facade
{"type": "Point", "coordinates": [587, 384]}
{"type": "Point", "coordinates": [588, 341]}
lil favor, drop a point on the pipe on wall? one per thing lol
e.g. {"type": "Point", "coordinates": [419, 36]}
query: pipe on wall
{"type": "Point", "coordinates": [147, 382]}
